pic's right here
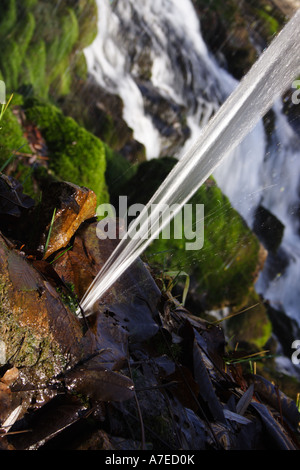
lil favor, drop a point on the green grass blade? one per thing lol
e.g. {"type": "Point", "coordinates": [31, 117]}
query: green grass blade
{"type": "Point", "coordinates": [49, 233]}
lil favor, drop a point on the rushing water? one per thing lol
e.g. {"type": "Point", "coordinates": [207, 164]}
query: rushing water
{"type": "Point", "coordinates": [172, 30]}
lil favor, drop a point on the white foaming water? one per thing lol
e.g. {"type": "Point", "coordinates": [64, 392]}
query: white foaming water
{"type": "Point", "coordinates": [251, 99]}
{"type": "Point", "coordinates": [165, 25]}
{"type": "Point", "coordinates": [106, 61]}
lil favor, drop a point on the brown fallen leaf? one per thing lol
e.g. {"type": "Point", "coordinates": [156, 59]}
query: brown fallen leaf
{"type": "Point", "coordinates": [5, 401]}
{"type": "Point", "coordinates": [98, 383]}
{"type": "Point", "coordinates": [10, 376]}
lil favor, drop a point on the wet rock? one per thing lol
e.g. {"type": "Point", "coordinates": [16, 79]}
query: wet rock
{"type": "Point", "coordinates": [275, 266]}
{"type": "Point", "coordinates": [41, 334]}
{"type": "Point", "coordinates": [285, 328]}
{"type": "Point", "coordinates": [268, 228]}
{"type": "Point", "coordinates": [130, 304]}
{"type": "Point", "coordinates": [237, 30]}
{"type": "Point", "coordinates": [168, 118]}
{"type": "Point", "coordinates": [252, 327]}
{"type": "Point", "coordinates": [227, 37]}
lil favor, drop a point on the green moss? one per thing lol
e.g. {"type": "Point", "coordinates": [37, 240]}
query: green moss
{"type": "Point", "coordinates": [34, 68]}
{"type": "Point", "coordinates": [224, 266]}
{"type": "Point", "coordinates": [270, 23]}
{"type": "Point", "coordinates": [69, 297]}
{"type": "Point", "coordinates": [76, 155]}
{"type": "Point", "coordinates": [87, 13]}
{"type": "Point", "coordinates": [252, 326]}
{"type": "Point", "coordinates": [8, 16]}
{"type": "Point", "coordinates": [14, 335]}
{"type": "Point", "coordinates": [233, 27]}
{"type": "Point", "coordinates": [39, 42]}
{"type": "Point", "coordinates": [11, 137]}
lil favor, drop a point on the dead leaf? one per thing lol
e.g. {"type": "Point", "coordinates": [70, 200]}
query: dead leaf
{"type": "Point", "coordinates": [12, 198]}
{"type": "Point", "coordinates": [245, 400]}
{"type": "Point", "coordinates": [5, 401]}
{"type": "Point", "coordinates": [274, 430]}
{"type": "Point", "coordinates": [48, 422]}
{"type": "Point", "coordinates": [271, 395]}
{"type": "Point", "coordinates": [207, 391]}
{"type": "Point", "coordinates": [10, 376]}
{"type": "Point", "coordinates": [185, 388]}
{"type": "Point", "coordinates": [98, 383]}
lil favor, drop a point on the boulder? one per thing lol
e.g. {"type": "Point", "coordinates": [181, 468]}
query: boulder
{"type": "Point", "coordinates": [40, 333]}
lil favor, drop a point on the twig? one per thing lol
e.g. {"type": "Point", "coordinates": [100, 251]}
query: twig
{"type": "Point", "coordinates": [217, 322]}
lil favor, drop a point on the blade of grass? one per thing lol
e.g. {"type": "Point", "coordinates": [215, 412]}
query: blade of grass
{"type": "Point", "coordinates": [5, 106]}
{"type": "Point", "coordinates": [187, 282]}
{"type": "Point", "coordinates": [250, 358]}
{"type": "Point", "coordinates": [49, 233]}
{"type": "Point", "coordinates": [234, 314]}
{"type": "Point", "coordinates": [61, 254]}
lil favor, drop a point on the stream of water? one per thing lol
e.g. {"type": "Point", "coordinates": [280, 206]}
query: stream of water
{"type": "Point", "coordinates": [235, 131]}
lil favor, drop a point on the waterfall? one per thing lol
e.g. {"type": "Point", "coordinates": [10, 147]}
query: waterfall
{"type": "Point", "coordinates": [168, 34]}
{"type": "Point", "coordinates": [107, 61]}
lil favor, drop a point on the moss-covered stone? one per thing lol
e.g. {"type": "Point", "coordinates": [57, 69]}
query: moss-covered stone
{"type": "Point", "coordinates": [225, 267]}
{"type": "Point", "coordinates": [252, 326]}
{"type": "Point", "coordinates": [236, 29]}
{"type": "Point", "coordinates": [24, 346]}
{"type": "Point", "coordinates": [76, 155]}
{"type": "Point", "coordinates": [101, 113]}
{"type": "Point", "coordinates": [11, 137]}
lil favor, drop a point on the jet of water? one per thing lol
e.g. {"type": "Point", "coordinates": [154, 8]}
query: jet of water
{"type": "Point", "coordinates": [268, 79]}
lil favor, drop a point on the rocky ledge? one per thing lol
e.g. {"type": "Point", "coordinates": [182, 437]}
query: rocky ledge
{"type": "Point", "coordinates": [140, 372]}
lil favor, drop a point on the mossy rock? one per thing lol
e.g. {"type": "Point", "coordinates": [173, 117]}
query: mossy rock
{"type": "Point", "coordinates": [76, 155]}
{"type": "Point", "coordinates": [101, 113]}
{"type": "Point", "coordinates": [234, 28]}
{"type": "Point", "coordinates": [225, 267]}
{"type": "Point", "coordinates": [11, 137]}
{"type": "Point", "coordinates": [251, 327]}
